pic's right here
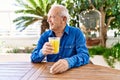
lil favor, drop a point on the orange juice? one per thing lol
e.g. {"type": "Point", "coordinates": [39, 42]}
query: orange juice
{"type": "Point", "coordinates": [55, 41]}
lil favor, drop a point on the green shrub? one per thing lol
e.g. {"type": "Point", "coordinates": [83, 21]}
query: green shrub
{"type": "Point", "coordinates": [97, 50]}
{"type": "Point", "coordinates": [111, 55]}
{"type": "Point", "coordinates": [17, 50]}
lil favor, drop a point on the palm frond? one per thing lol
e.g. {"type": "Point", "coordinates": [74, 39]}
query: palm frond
{"type": "Point", "coordinates": [22, 4]}
{"type": "Point", "coordinates": [40, 12]}
{"type": "Point", "coordinates": [48, 7]}
{"type": "Point", "coordinates": [45, 5]}
{"type": "Point", "coordinates": [25, 18]}
{"type": "Point", "coordinates": [41, 4]}
{"type": "Point", "coordinates": [33, 3]}
{"type": "Point", "coordinates": [27, 6]}
{"type": "Point", "coordinates": [31, 22]}
{"type": "Point", "coordinates": [32, 12]}
{"type": "Point", "coordinates": [23, 24]}
{"type": "Point", "coordinates": [20, 25]}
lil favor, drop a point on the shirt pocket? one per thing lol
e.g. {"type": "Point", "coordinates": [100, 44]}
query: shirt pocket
{"type": "Point", "coordinates": [69, 50]}
{"type": "Point", "coordinates": [68, 47]}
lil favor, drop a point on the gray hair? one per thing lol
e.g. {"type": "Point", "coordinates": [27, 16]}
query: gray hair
{"type": "Point", "coordinates": [64, 10]}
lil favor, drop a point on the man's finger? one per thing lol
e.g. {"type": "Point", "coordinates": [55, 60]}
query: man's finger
{"type": "Point", "coordinates": [57, 68]}
{"type": "Point", "coordinates": [60, 66]}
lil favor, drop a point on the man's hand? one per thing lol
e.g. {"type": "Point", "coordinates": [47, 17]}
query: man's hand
{"type": "Point", "coordinates": [59, 67]}
{"type": "Point", "coordinates": [47, 49]}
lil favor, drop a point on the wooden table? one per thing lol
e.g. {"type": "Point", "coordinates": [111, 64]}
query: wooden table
{"type": "Point", "coordinates": [40, 71]}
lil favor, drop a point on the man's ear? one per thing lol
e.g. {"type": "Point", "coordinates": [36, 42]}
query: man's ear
{"type": "Point", "coordinates": [64, 19]}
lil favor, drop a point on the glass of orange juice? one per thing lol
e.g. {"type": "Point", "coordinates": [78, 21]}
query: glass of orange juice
{"type": "Point", "coordinates": [55, 41]}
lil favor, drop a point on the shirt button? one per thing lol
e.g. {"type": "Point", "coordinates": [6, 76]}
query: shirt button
{"type": "Point", "coordinates": [59, 56]}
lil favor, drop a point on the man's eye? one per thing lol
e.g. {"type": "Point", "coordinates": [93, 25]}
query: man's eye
{"type": "Point", "coordinates": [53, 16]}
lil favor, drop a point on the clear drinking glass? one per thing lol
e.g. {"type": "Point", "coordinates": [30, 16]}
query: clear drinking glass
{"type": "Point", "coordinates": [55, 41]}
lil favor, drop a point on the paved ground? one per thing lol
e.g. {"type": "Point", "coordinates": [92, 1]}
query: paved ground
{"type": "Point", "coordinates": [99, 60]}
{"type": "Point", "coordinates": [14, 57]}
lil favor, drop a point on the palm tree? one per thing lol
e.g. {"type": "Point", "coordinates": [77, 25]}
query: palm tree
{"type": "Point", "coordinates": [32, 11]}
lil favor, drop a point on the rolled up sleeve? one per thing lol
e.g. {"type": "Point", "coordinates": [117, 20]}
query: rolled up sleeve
{"type": "Point", "coordinates": [82, 55]}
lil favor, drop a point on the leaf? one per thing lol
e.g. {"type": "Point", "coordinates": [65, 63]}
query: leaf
{"type": "Point", "coordinates": [48, 7]}
{"type": "Point", "coordinates": [31, 22]}
{"type": "Point", "coordinates": [41, 4]}
{"type": "Point", "coordinates": [39, 11]}
{"type": "Point", "coordinates": [22, 4]}
{"type": "Point", "coordinates": [22, 18]}
{"type": "Point", "coordinates": [33, 3]}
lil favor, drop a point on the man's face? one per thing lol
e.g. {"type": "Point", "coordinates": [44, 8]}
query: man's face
{"type": "Point", "coordinates": [54, 19]}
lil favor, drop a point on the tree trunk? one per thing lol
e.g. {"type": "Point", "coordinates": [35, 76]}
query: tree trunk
{"type": "Point", "coordinates": [44, 26]}
{"type": "Point", "coordinates": [103, 29]}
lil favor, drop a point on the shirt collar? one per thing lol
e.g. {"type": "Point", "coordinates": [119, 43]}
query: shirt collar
{"type": "Point", "coordinates": [66, 30]}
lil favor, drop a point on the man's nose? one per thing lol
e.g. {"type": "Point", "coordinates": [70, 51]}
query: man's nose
{"type": "Point", "coordinates": [48, 19]}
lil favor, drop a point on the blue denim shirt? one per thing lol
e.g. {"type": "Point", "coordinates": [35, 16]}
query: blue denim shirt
{"type": "Point", "coordinates": [72, 48]}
